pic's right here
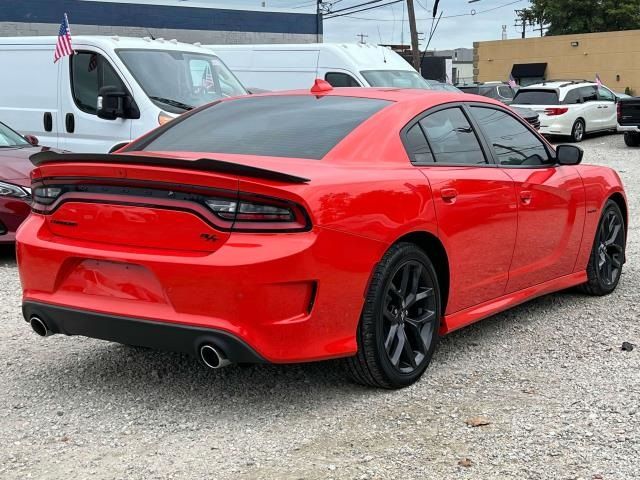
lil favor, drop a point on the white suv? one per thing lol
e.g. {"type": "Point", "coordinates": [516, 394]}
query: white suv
{"type": "Point", "coordinates": [570, 107]}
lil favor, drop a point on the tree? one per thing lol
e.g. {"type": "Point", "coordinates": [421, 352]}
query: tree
{"type": "Point", "coordinates": [564, 17]}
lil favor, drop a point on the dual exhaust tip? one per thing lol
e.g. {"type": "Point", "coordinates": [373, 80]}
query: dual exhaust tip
{"type": "Point", "coordinates": [211, 356]}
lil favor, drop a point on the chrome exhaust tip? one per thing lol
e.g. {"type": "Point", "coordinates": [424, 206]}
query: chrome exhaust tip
{"type": "Point", "coordinates": [212, 357]}
{"type": "Point", "coordinates": [39, 327]}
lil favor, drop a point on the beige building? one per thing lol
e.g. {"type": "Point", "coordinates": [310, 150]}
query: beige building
{"type": "Point", "coordinates": [615, 56]}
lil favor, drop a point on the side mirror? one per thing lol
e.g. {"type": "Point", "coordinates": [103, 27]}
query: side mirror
{"type": "Point", "coordinates": [569, 154]}
{"type": "Point", "coordinates": [32, 139]}
{"type": "Point", "coordinates": [114, 103]}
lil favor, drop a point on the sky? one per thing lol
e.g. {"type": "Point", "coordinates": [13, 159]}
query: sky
{"type": "Point", "coordinates": [385, 25]}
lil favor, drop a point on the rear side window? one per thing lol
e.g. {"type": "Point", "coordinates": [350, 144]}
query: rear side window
{"type": "Point", "coordinates": [452, 138]}
{"type": "Point", "coordinates": [589, 94]}
{"type": "Point", "coordinates": [512, 142]}
{"type": "Point", "coordinates": [536, 97]}
{"type": "Point", "coordinates": [417, 146]}
{"type": "Point", "coordinates": [505, 92]}
{"type": "Point", "coordinates": [295, 126]}
{"type": "Point", "coordinates": [338, 79]}
{"type": "Point", "coordinates": [572, 97]}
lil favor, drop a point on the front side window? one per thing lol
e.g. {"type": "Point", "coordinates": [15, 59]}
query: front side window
{"type": "Point", "coordinates": [9, 138]}
{"type": "Point", "coordinates": [339, 79]}
{"type": "Point", "coordinates": [293, 126]}
{"type": "Point", "coordinates": [179, 81]}
{"type": "Point", "coordinates": [90, 72]}
{"type": "Point", "coordinates": [452, 138]}
{"type": "Point", "coordinates": [589, 94]}
{"type": "Point", "coordinates": [512, 142]}
{"type": "Point", "coordinates": [395, 79]}
{"type": "Point", "coordinates": [605, 95]}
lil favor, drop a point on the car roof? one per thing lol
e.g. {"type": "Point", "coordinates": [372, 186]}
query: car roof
{"type": "Point", "coordinates": [396, 95]}
{"type": "Point", "coordinates": [559, 84]}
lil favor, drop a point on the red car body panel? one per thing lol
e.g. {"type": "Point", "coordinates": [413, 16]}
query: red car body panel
{"type": "Point", "coordinates": [298, 296]}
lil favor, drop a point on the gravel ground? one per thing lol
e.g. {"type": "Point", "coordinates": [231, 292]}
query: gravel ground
{"type": "Point", "coordinates": [560, 398]}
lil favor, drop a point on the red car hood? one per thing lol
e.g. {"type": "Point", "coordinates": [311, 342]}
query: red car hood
{"type": "Point", "coordinates": [15, 165]}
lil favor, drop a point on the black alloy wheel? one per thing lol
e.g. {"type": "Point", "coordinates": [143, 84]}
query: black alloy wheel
{"type": "Point", "coordinates": [610, 248]}
{"type": "Point", "coordinates": [409, 317]}
{"type": "Point", "coordinates": [398, 329]}
{"type": "Point", "coordinates": [608, 252]}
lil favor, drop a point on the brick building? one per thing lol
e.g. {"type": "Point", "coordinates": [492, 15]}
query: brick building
{"type": "Point", "coordinates": [187, 20]}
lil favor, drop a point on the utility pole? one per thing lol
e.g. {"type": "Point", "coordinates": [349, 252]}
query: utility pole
{"type": "Point", "coordinates": [362, 37]}
{"type": "Point", "coordinates": [318, 20]}
{"type": "Point", "coordinates": [415, 48]}
{"type": "Point", "coordinates": [523, 22]}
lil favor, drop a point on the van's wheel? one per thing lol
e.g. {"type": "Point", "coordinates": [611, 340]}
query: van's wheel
{"type": "Point", "coordinates": [398, 329]}
{"type": "Point", "coordinates": [577, 131]}
{"type": "Point", "coordinates": [632, 139]}
{"type": "Point", "coordinates": [608, 253]}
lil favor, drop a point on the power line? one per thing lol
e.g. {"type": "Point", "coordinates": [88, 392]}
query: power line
{"type": "Point", "coordinates": [471, 14]}
{"type": "Point", "coordinates": [363, 9]}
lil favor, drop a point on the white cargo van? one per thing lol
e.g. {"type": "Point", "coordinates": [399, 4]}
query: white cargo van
{"type": "Point", "coordinates": [112, 90]}
{"type": "Point", "coordinates": [284, 67]}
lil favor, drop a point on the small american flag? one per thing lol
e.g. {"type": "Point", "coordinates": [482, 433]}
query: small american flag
{"type": "Point", "coordinates": [63, 45]}
{"type": "Point", "coordinates": [598, 80]}
{"type": "Point", "coordinates": [207, 78]}
{"type": "Point", "coordinates": [512, 81]}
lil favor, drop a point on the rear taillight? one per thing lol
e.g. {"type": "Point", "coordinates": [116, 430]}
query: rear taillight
{"type": "Point", "coordinates": [555, 111]}
{"type": "Point", "coordinates": [259, 214]}
{"type": "Point", "coordinates": [243, 212]}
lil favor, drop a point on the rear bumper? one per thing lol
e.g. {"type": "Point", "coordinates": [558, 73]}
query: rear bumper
{"type": "Point", "coordinates": [290, 297]}
{"type": "Point", "coordinates": [629, 128]}
{"type": "Point", "coordinates": [142, 333]}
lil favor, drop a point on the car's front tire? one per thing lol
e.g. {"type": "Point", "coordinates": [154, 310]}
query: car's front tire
{"type": "Point", "coordinates": [608, 252]}
{"type": "Point", "coordinates": [632, 139]}
{"type": "Point", "coordinates": [578, 131]}
{"type": "Point", "coordinates": [398, 329]}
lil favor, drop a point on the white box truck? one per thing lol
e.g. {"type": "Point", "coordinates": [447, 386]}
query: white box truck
{"type": "Point", "coordinates": [112, 90]}
{"type": "Point", "coordinates": [296, 66]}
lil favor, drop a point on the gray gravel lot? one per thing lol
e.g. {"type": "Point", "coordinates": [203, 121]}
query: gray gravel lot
{"type": "Point", "coordinates": [561, 399]}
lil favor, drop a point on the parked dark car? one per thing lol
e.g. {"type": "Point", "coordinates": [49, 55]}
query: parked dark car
{"type": "Point", "coordinates": [529, 115]}
{"type": "Point", "coordinates": [15, 182]}
{"type": "Point", "coordinates": [629, 120]}
{"type": "Point", "coordinates": [498, 91]}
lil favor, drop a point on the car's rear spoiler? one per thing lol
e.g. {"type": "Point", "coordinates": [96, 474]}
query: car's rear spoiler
{"type": "Point", "coordinates": [203, 164]}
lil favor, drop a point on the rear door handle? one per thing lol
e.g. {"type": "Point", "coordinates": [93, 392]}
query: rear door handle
{"type": "Point", "coordinates": [526, 196]}
{"type": "Point", "coordinates": [449, 194]}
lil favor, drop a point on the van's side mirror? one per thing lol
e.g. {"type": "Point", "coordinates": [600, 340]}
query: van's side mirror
{"type": "Point", "coordinates": [114, 103]}
{"type": "Point", "coordinates": [569, 154]}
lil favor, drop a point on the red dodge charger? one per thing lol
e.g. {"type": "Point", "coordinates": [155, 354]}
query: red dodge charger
{"type": "Point", "coordinates": [338, 223]}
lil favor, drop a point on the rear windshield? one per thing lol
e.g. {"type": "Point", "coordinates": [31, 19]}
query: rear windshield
{"type": "Point", "coordinates": [301, 126]}
{"type": "Point", "coordinates": [536, 97]}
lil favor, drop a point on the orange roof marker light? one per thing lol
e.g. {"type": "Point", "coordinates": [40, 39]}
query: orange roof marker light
{"type": "Point", "coordinates": [321, 86]}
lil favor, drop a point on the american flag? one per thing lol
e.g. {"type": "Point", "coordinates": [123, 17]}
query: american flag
{"type": "Point", "coordinates": [598, 80]}
{"type": "Point", "coordinates": [512, 81]}
{"type": "Point", "coordinates": [63, 45]}
{"type": "Point", "coordinates": [207, 78]}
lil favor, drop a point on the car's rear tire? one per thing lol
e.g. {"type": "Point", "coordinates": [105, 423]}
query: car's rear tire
{"type": "Point", "coordinates": [578, 131]}
{"type": "Point", "coordinates": [632, 139]}
{"type": "Point", "coordinates": [398, 329]}
{"type": "Point", "coordinates": [608, 253]}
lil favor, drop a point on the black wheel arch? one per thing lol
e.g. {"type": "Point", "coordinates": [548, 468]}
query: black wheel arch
{"type": "Point", "coordinates": [618, 198]}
